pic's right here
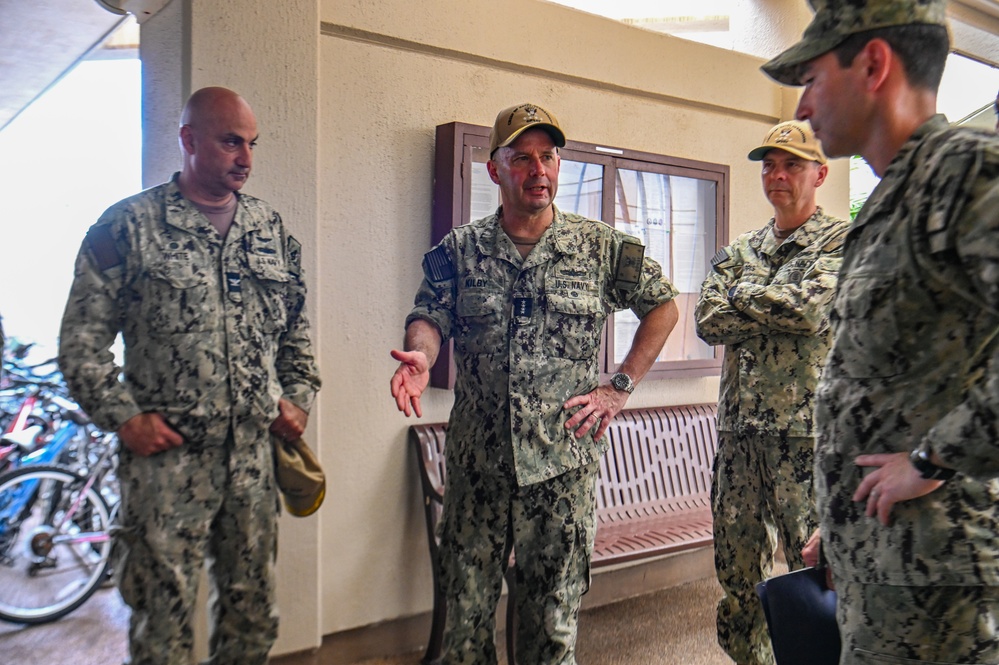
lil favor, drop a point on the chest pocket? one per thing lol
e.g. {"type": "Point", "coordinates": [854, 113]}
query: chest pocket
{"type": "Point", "coordinates": [481, 326]}
{"type": "Point", "coordinates": [573, 325]}
{"type": "Point", "coordinates": [794, 271]}
{"type": "Point", "coordinates": [868, 342]}
{"type": "Point", "coordinates": [175, 297]}
{"type": "Point", "coordinates": [268, 291]}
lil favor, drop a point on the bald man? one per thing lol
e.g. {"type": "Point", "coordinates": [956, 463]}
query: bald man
{"type": "Point", "coordinates": [206, 288]}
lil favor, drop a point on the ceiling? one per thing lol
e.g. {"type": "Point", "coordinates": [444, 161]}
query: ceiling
{"type": "Point", "coordinates": [40, 40]}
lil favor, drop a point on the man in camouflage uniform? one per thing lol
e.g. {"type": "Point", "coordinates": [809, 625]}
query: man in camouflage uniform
{"type": "Point", "coordinates": [206, 287]}
{"type": "Point", "coordinates": [524, 293]}
{"type": "Point", "coordinates": [767, 299]}
{"type": "Point", "coordinates": [907, 412]}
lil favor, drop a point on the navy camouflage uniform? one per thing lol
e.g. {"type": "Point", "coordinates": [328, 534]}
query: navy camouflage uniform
{"type": "Point", "coordinates": [915, 362]}
{"type": "Point", "coordinates": [527, 338]}
{"type": "Point", "coordinates": [768, 302]}
{"type": "Point", "coordinates": [215, 334]}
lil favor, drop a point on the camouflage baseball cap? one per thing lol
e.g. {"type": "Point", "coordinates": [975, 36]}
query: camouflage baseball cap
{"type": "Point", "coordinates": [835, 20]}
{"type": "Point", "coordinates": [794, 137]}
{"type": "Point", "coordinates": [514, 121]}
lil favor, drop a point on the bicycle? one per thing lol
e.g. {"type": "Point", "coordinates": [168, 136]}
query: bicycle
{"type": "Point", "coordinates": [56, 537]}
{"type": "Point", "coordinates": [33, 407]}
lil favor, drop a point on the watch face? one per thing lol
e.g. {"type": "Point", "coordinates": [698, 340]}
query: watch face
{"type": "Point", "coordinates": [621, 382]}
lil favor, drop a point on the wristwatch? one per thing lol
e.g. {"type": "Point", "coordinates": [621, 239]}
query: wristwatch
{"type": "Point", "coordinates": [622, 381]}
{"type": "Point", "coordinates": [920, 458]}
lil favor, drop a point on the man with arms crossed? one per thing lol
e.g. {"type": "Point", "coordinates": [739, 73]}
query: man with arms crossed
{"type": "Point", "coordinates": [908, 449]}
{"type": "Point", "coordinates": [524, 293]}
{"type": "Point", "coordinates": [206, 287]}
{"type": "Point", "coordinates": [767, 299]}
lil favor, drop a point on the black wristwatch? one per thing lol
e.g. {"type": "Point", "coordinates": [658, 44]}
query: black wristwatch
{"type": "Point", "coordinates": [622, 381]}
{"type": "Point", "coordinates": [920, 458]}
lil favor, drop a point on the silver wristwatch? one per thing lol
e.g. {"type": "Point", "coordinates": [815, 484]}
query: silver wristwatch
{"type": "Point", "coordinates": [622, 381]}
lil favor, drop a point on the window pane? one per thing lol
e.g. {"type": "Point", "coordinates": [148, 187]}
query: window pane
{"type": "Point", "coordinates": [675, 218]}
{"type": "Point", "coordinates": [580, 186]}
{"type": "Point", "coordinates": [485, 193]}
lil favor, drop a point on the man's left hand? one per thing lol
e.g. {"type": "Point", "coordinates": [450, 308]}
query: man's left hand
{"type": "Point", "coordinates": [597, 409]}
{"type": "Point", "coordinates": [895, 480]}
{"type": "Point", "coordinates": [291, 420]}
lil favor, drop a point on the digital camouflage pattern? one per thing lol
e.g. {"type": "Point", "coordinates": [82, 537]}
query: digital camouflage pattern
{"type": "Point", "coordinates": [527, 338]}
{"type": "Point", "coordinates": [768, 302]}
{"type": "Point", "coordinates": [553, 559]}
{"type": "Point", "coordinates": [215, 333]}
{"type": "Point", "coordinates": [761, 489]}
{"type": "Point", "coordinates": [915, 361]}
{"type": "Point", "coordinates": [836, 20]}
{"type": "Point", "coordinates": [924, 624]}
{"type": "Point", "coordinates": [527, 335]}
{"type": "Point", "coordinates": [177, 505]}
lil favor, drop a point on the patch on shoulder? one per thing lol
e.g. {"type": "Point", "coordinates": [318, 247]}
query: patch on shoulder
{"type": "Point", "coordinates": [720, 257]}
{"type": "Point", "coordinates": [629, 265]}
{"type": "Point", "coordinates": [437, 265]}
{"type": "Point", "coordinates": [102, 246]}
{"type": "Point", "coordinates": [295, 254]}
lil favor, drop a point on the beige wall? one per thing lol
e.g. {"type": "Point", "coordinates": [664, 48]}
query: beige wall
{"type": "Point", "coordinates": [347, 95]}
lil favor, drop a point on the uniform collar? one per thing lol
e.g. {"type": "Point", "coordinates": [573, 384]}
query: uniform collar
{"type": "Point", "coordinates": [561, 238]}
{"type": "Point", "coordinates": [183, 214]}
{"type": "Point", "coordinates": [803, 236]}
{"type": "Point", "coordinates": [884, 195]}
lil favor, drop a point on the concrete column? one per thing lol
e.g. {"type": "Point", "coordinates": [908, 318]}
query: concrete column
{"type": "Point", "coordinates": [269, 53]}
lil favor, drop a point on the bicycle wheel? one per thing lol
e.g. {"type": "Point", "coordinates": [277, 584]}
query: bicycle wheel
{"type": "Point", "coordinates": [55, 543]}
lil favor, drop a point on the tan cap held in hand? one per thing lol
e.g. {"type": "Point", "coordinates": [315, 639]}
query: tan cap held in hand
{"type": "Point", "coordinates": [299, 476]}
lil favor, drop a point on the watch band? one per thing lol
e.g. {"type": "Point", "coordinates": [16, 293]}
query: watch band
{"type": "Point", "coordinates": [920, 458]}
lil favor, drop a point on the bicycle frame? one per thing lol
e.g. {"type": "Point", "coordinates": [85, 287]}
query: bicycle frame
{"type": "Point", "coordinates": [47, 454]}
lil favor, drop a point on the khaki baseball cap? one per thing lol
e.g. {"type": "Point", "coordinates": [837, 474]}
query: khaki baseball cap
{"type": "Point", "coordinates": [514, 121]}
{"type": "Point", "coordinates": [793, 136]}
{"type": "Point", "coordinates": [299, 476]}
{"type": "Point", "coordinates": [835, 20]}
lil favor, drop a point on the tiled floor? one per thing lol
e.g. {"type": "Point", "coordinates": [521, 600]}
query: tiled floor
{"type": "Point", "coordinates": [92, 635]}
{"type": "Point", "coordinates": [670, 627]}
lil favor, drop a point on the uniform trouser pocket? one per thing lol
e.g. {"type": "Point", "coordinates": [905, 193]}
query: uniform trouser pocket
{"type": "Point", "coordinates": [926, 624]}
